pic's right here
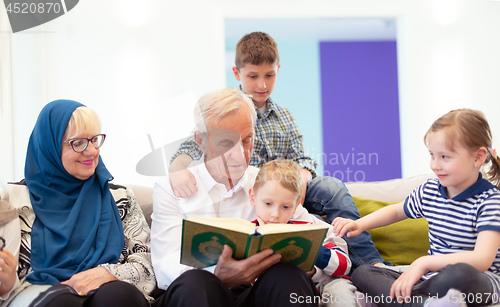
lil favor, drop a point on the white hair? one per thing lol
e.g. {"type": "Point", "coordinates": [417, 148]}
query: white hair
{"type": "Point", "coordinates": [212, 106]}
{"type": "Point", "coordinates": [83, 120]}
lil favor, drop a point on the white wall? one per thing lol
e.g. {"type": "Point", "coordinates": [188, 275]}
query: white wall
{"type": "Point", "coordinates": [6, 112]}
{"type": "Point", "coordinates": [448, 58]}
{"type": "Point", "coordinates": [128, 59]}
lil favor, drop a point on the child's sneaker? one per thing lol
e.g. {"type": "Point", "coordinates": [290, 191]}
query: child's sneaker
{"type": "Point", "coordinates": [453, 298]}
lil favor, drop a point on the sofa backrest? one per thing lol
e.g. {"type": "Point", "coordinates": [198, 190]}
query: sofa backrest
{"type": "Point", "coordinates": [395, 190]}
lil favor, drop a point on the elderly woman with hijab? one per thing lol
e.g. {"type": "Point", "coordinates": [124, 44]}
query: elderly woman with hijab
{"type": "Point", "coordinates": [89, 239]}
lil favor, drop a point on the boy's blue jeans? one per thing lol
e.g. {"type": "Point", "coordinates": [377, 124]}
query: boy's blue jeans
{"type": "Point", "coordinates": [329, 196]}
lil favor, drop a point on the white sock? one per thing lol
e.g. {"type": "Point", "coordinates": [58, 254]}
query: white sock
{"type": "Point", "coordinates": [453, 298]}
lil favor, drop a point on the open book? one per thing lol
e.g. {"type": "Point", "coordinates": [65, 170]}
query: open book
{"type": "Point", "coordinates": [203, 240]}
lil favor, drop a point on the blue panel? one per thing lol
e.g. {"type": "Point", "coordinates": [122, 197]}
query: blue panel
{"type": "Point", "coordinates": [361, 138]}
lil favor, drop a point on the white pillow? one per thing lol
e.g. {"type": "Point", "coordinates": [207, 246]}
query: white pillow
{"type": "Point", "coordinates": [395, 190]}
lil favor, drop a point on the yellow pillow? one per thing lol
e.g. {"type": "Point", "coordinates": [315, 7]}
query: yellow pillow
{"type": "Point", "coordinates": [400, 243]}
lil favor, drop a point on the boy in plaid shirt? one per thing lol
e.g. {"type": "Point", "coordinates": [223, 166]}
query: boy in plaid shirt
{"type": "Point", "coordinates": [277, 136]}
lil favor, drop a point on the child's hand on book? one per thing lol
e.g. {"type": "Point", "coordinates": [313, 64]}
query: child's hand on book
{"type": "Point", "coordinates": [342, 225]}
{"type": "Point", "coordinates": [238, 272]}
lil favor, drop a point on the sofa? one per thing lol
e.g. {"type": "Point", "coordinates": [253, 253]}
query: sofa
{"type": "Point", "coordinates": [400, 243]}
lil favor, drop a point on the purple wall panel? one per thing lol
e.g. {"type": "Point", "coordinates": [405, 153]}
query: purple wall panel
{"type": "Point", "coordinates": [361, 139]}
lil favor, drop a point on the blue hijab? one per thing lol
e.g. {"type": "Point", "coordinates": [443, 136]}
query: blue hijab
{"type": "Point", "coordinates": [77, 225]}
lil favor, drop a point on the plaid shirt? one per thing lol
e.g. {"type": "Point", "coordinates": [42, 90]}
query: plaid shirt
{"type": "Point", "coordinates": [277, 136]}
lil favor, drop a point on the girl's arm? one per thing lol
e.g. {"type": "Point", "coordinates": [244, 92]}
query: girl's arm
{"type": "Point", "coordinates": [382, 217]}
{"type": "Point", "coordinates": [481, 258]}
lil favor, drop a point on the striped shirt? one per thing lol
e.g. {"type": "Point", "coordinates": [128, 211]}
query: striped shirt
{"type": "Point", "coordinates": [454, 224]}
{"type": "Point", "coordinates": [277, 136]}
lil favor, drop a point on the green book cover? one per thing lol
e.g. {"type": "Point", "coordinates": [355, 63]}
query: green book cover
{"type": "Point", "coordinates": [203, 240]}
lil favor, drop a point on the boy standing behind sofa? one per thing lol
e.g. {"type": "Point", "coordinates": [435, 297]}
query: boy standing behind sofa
{"type": "Point", "coordinates": [277, 136]}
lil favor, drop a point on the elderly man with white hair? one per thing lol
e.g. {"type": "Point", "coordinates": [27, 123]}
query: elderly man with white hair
{"type": "Point", "coordinates": [225, 121]}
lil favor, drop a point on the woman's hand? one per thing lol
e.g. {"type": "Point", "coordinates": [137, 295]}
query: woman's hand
{"type": "Point", "coordinates": [8, 271]}
{"type": "Point", "coordinates": [86, 281]}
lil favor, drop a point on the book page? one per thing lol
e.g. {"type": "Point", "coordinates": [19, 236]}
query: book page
{"type": "Point", "coordinates": [300, 247]}
{"type": "Point", "coordinates": [279, 228]}
{"type": "Point", "coordinates": [239, 225]}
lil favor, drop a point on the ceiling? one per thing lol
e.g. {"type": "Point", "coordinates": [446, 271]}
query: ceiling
{"type": "Point", "coordinates": [322, 29]}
